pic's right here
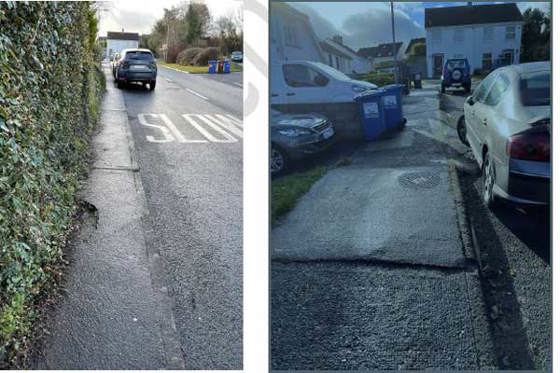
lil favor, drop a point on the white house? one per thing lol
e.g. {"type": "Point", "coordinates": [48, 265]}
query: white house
{"type": "Point", "coordinates": [343, 58]}
{"type": "Point", "coordinates": [487, 35]}
{"type": "Point", "coordinates": [383, 53]}
{"type": "Point", "coordinates": [291, 35]}
{"type": "Point", "coordinates": [117, 41]}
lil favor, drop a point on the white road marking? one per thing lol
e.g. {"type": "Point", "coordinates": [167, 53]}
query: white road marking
{"type": "Point", "coordinates": [176, 132]}
{"type": "Point", "coordinates": [200, 129]}
{"type": "Point", "coordinates": [172, 68]}
{"type": "Point", "coordinates": [169, 80]}
{"type": "Point", "coordinates": [197, 94]}
{"type": "Point", "coordinates": [227, 136]}
{"type": "Point", "coordinates": [167, 137]}
{"type": "Point", "coordinates": [238, 84]}
{"type": "Point", "coordinates": [236, 121]}
{"type": "Point", "coordinates": [225, 123]}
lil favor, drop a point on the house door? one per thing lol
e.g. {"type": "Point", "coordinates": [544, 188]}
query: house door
{"type": "Point", "coordinates": [437, 64]}
{"type": "Point", "coordinates": [508, 56]}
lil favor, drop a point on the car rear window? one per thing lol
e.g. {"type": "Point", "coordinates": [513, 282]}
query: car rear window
{"type": "Point", "coordinates": [535, 88]}
{"type": "Point", "coordinates": [456, 64]}
{"type": "Point", "coordinates": [139, 56]}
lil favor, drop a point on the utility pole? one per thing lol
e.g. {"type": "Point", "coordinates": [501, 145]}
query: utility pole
{"type": "Point", "coordinates": [395, 67]}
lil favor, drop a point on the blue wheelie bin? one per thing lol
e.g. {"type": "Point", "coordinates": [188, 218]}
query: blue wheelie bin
{"type": "Point", "coordinates": [212, 64]}
{"type": "Point", "coordinates": [392, 106]}
{"type": "Point", "coordinates": [226, 66]}
{"type": "Point", "coordinates": [372, 113]}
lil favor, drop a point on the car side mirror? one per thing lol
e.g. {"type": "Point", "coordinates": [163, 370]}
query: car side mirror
{"type": "Point", "coordinates": [470, 100]}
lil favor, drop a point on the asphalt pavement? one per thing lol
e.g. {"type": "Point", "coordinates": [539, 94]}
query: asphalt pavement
{"type": "Point", "coordinates": [369, 270]}
{"type": "Point", "coordinates": [155, 274]}
{"type": "Point", "coordinates": [192, 176]}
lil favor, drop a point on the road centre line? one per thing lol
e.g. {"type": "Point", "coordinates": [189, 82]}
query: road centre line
{"type": "Point", "coordinates": [197, 94]}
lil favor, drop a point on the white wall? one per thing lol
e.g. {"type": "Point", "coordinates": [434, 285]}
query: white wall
{"type": "Point", "coordinates": [473, 44]}
{"type": "Point", "coordinates": [115, 46]}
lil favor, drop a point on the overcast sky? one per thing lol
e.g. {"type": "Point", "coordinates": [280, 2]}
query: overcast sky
{"type": "Point", "coordinates": [365, 24]}
{"type": "Point", "coordinates": [140, 16]}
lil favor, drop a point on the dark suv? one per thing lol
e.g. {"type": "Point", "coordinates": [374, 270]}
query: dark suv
{"type": "Point", "coordinates": [136, 65]}
{"type": "Point", "coordinates": [456, 73]}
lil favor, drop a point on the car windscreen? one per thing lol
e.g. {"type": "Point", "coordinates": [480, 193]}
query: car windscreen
{"type": "Point", "coordinates": [535, 88]}
{"type": "Point", "coordinates": [456, 64]}
{"type": "Point", "coordinates": [332, 71]}
{"type": "Point", "coordinates": [139, 56]}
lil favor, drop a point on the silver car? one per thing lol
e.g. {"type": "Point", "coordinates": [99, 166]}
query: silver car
{"type": "Point", "coordinates": [507, 124]}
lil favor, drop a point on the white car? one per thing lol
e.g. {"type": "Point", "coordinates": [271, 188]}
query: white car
{"type": "Point", "coordinates": [304, 82]}
{"type": "Point", "coordinates": [507, 124]}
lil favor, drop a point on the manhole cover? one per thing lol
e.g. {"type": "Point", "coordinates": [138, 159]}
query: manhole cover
{"type": "Point", "coordinates": [419, 180]}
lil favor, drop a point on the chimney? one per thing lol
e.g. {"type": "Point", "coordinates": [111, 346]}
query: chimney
{"type": "Point", "coordinates": [337, 39]}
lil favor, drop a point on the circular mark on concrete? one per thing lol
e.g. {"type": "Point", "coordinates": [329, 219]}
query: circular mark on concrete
{"type": "Point", "coordinates": [419, 180]}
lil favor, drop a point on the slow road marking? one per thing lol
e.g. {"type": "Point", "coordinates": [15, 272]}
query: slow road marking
{"type": "Point", "coordinates": [215, 128]}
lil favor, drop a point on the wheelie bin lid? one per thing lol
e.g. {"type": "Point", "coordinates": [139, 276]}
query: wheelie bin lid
{"type": "Point", "coordinates": [363, 96]}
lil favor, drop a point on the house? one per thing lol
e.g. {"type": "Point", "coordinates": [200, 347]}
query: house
{"type": "Point", "coordinates": [382, 54]}
{"type": "Point", "coordinates": [291, 35]}
{"type": "Point", "coordinates": [415, 56]}
{"type": "Point", "coordinates": [487, 35]}
{"type": "Point", "coordinates": [117, 41]}
{"type": "Point", "coordinates": [343, 58]}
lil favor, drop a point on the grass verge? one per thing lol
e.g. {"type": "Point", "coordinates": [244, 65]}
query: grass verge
{"type": "Point", "coordinates": [288, 189]}
{"type": "Point", "coordinates": [234, 67]}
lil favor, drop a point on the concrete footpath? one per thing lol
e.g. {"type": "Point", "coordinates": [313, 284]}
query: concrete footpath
{"type": "Point", "coordinates": [370, 270]}
{"type": "Point", "coordinates": [114, 312]}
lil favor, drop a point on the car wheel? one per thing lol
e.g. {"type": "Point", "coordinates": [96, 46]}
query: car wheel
{"type": "Point", "coordinates": [152, 85]}
{"type": "Point", "coordinates": [462, 131]}
{"type": "Point", "coordinates": [489, 179]}
{"type": "Point", "coordinates": [442, 88]}
{"type": "Point", "coordinates": [278, 161]}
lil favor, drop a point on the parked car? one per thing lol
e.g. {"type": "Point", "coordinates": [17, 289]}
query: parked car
{"type": "Point", "coordinates": [456, 73]}
{"type": "Point", "coordinates": [114, 61]}
{"type": "Point", "coordinates": [136, 65]}
{"type": "Point", "coordinates": [507, 124]}
{"type": "Point", "coordinates": [295, 136]}
{"type": "Point", "coordinates": [302, 82]}
{"type": "Point", "coordinates": [237, 56]}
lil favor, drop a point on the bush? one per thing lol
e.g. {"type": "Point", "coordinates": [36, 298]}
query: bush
{"type": "Point", "coordinates": [187, 56]}
{"type": "Point", "coordinates": [50, 90]}
{"type": "Point", "coordinates": [210, 53]}
{"type": "Point", "coordinates": [378, 78]}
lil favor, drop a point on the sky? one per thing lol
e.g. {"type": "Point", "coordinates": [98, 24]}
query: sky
{"type": "Point", "coordinates": [140, 16]}
{"type": "Point", "coordinates": [365, 24]}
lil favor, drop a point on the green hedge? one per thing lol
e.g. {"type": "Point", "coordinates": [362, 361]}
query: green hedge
{"type": "Point", "coordinates": [378, 78]}
{"type": "Point", "coordinates": [50, 90]}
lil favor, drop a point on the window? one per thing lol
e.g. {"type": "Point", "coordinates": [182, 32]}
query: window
{"type": "Point", "coordinates": [290, 36]}
{"type": "Point", "coordinates": [488, 33]}
{"type": "Point", "coordinates": [487, 61]}
{"type": "Point", "coordinates": [499, 88]}
{"type": "Point", "coordinates": [481, 91]}
{"type": "Point", "coordinates": [535, 88]}
{"type": "Point", "coordinates": [510, 32]}
{"type": "Point", "coordinates": [303, 76]}
{"type": "Point", "coordinates": [459, 35]}
{"type": "Point", "coordinates": [330, 60]}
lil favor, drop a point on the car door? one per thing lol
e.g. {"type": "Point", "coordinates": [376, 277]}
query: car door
{"type": "Point", "coordinates": [305, 85]}
{"type": "Point", "coordinates": [473, 112]}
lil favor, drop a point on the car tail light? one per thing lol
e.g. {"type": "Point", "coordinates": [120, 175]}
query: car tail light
{"type": "Point", "coordinates": [531, 146]}
{"type": "Point", "coordinates": [153, 66]}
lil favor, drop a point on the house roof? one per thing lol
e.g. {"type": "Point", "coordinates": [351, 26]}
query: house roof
{"type": "Point", "coordinates": [471, 15]}
{"type": "Point", "coordinates": [415, 41]}
{"type": "Point", "coordinates": [112, 35]}
{"type": "Point", "coordinates": [327, 46]}
{"type": "Point", "coordinates": [382, 50]}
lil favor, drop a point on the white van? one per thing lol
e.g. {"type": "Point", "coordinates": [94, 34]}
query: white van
{"type": "Point", "coordinates": [304, 82]}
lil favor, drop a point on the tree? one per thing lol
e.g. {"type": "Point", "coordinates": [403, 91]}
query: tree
{"type": "Point", "coordinates": [535, 39]}
{"type": "Point", "coordinates": [196, 22]}
{"type": "Point", "coordinates": [229, 30]}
